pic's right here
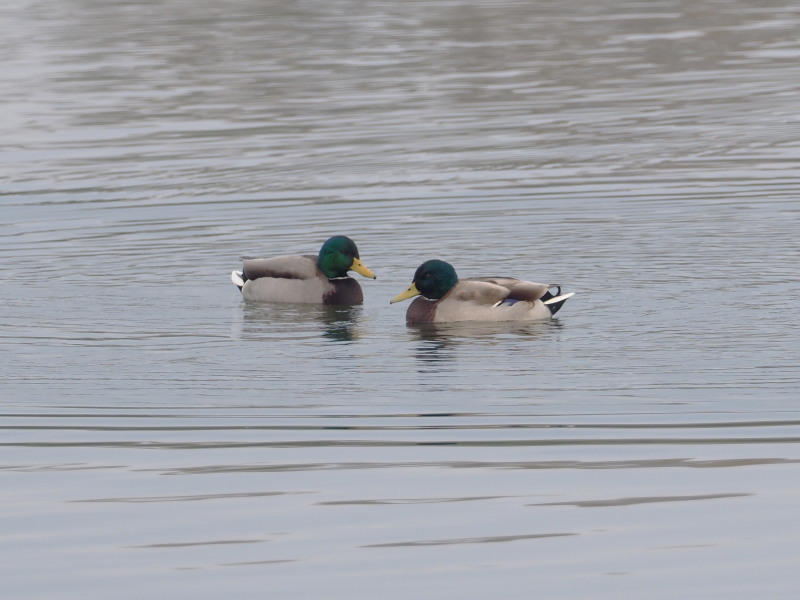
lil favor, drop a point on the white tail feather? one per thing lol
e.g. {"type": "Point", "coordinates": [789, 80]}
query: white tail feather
{"type": "Point", "coordinates": [237, 278]}
{"type": "Point", "coordinates": [555, 299]}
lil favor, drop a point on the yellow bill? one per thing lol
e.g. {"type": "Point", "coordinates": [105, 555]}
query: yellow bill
{"type": "Point", "coordinates": [409, 293]}
{"type": "Point", "coordinates": [360, 268]}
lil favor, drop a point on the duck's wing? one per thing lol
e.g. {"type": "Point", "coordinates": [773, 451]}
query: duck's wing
{"type": "Point", "coordinates": [478, 290]}
{"type": "Point", "coordinates": [514, 289]}
{"type": "Point", "coordinates": [296, 266]}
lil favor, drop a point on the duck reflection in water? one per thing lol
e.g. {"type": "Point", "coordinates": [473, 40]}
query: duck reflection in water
{"type": "Point", "coordinates": [341, 322]}
{"type": "Point", "coordinates": [293, 321]}
{"type": "Point", "coordinates": [440, 344]}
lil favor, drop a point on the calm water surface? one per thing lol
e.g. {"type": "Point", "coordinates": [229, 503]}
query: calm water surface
{"type": "Point", "coordinates": [160, 437]}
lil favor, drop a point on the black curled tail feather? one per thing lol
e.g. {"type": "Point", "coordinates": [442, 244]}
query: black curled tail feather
{"type": "Point", "coordinates": [548, 294]}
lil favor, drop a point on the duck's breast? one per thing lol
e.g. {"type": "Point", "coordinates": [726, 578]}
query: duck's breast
{"type": "Point", "coordinates": [421, 311]}
{"type": "Point", "coordinates": [343, 291]}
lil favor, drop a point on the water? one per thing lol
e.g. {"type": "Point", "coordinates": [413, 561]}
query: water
{"type": "Point", "coordinates": [161, 437]}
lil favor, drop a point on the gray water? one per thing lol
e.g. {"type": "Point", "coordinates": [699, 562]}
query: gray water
{"type": "Point", "coordinates": [160, 438]}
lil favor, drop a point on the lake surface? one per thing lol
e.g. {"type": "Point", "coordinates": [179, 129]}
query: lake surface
{"type": "Point", "coordinates": [161, 438]}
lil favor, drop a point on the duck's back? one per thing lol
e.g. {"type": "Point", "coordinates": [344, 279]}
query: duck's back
{"type": "Point", "coordinates": [516, 289]}
{"type": "Point", "coordinates": [294, 266]}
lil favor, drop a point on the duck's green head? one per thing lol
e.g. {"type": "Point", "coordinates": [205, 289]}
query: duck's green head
{"type": "Point", "coordinates": [433, 279]}
{"type": "Point", "coordinates": [339, 255]}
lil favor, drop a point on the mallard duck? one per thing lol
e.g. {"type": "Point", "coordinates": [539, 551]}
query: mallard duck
{"type": "Point", "coordinates": [305, 278]}
{"type": "Point", "coordinates": [446, 298]}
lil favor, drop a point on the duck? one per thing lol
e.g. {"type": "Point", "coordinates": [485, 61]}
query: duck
{"type": "Point", "coordinates": [444, 298]}
{"type": "Point", "coordinates": [320, 279]}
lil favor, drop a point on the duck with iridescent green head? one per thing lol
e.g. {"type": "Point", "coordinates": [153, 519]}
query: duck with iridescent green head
{"type": "Point", "coordinates": [320, 279]}
{"type": "Point", "coordinates": [444, 298]}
